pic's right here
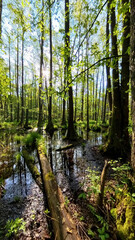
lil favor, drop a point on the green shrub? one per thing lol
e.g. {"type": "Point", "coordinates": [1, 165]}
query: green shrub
{"type": "Point", "coordinates": [14, 226]}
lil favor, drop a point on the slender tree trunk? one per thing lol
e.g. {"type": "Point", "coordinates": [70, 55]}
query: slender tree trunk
{"type": "Point", "coordinates": [104, 97]}
{"type": "Point", "coordinates": [82, 94]}
{"type": "Point", "coordinates": [71, 134]}
{"type": "Point", "coordinates": [96, 97]}
{"type": "Point", "coordinates": [0, 18]}
{"type": "Point", "coordinates": [82, 98]}
{"type": "Point", "coordinates": [17, 77]}
{"type": "Point", "coordinates": [50, 96]}
{"type": "Point", "coordinates": [87, 46]}
{"type": "Point", "coordinates": [11, 106]}
{"type": "Point", "coordinates": [98, 105]}
{"type": "Point", "coordinates": [125, 79]}
{"type": "Point", "coordinates": [40, 116]}
{"type": "Point", "coordinates": [64, 102]}
{"type": "Point", "coordinates": [132, 71]}
{"type": "Point", "coordinates": [109, 92]}
{"type": "Point", "coordinates": [50, 127]}
{"type": "Point", "coordinates": [93, 90]}
{"type": "Point", "coordinates": [22, 96]}
{"type": "Point", "coordinates": [76, 90]}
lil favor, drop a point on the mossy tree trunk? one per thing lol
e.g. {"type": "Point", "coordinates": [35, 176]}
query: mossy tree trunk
{"type": "Point", "coordinates": [114, 142]}
{"type": "Point", "coordinates": [125, 78]}
{"type": "Point", "coordinates": [63, 224]}
{"type": "Point", "coordinates": [132, 69]}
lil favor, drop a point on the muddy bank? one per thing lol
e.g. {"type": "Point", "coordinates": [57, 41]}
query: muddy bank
{"type": "Point", "coordinates": [31, 209]}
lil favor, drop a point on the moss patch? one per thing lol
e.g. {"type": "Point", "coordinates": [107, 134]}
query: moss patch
{"type": "Point", "coordinates": [49, 176]}
{"type": "Point", "coordinates": [125, 218]}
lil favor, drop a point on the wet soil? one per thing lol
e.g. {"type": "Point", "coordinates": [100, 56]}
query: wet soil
{"type": "Point", "coordinates": [31, 209]}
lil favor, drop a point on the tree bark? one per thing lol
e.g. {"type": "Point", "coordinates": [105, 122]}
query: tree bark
{"type": "Point", "coordinates": [17, 77]}
{"type": "Point", "coordinates": [125, 78]}
{"type": "Point", "coordinates": [64, 102]}
{"type": "Point", "coordinates": [114, 144]}
{"type": "Point", "coordinates": [0, 18]}
{"type": "Point", "coordinates": [109, 92]}
{"type": "Point", "coordinates": [50, 127]}
{"type": "Point", "coordinates": [40, 116]}
{"type": "Point", "coordinates": [71, 134]}
{"type": "Point", "coordinates": [22, 92]}
{"type": "Point", "coordinates": [11, 106]}
{"type": "Point", "coordinates": [132, 72]}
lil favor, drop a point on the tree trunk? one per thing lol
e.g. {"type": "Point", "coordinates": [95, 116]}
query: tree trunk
{"type": "Point", "coordinates": [40, 116]}
{"type": "Point", "coordinates": [17, 77]}
{"type": "Point", "coordinates": [96, 97]}
{"type": "Point", "coordinates": [0, 18]}
{"type": "Point", "coordinates": [64, 102]}
{"type": "Point", "coordinates": [132, 71]}
{"type": "Point", "coordinates": [50, 127]}
{"type": "Point", "coordinates": [71, 134]}
{"type": "Point", "coordinates": [114, 144]}
{"type": "Point", "coordinates": [22, 96]}
{"type": "Point", "coordinates": [109, 92]}
{"type": "Point", "coordinates": [125, 79]}
{"type": "Point", "coordinates": [33, 168]}
{"type": "Point", "coordinates": [82, 98]}
{"type": "Point", "coordinates": [11, 106]}
{"type": "Point", "coordinates": [87, 46]}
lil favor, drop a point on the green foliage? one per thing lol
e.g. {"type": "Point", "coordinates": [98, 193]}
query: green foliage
{"type": "Point", "coordinates": [47, 211]}
{"type": "Point", "coordinates": [82, 195]}
{"type": "Point", "coordinates": [19, 138]}
{"type": "Point", "coordinates": [30, 139]}
{"type": "Point", "coordinates": [91, 233]}
{"type": "Point", "coordinates": [18, 156]}
{"type": "Point", "coordinates": [4, 80]}
{"type": "Point", "coordinates": [66, 202]}
{"type": "Point", "coordinates": [121, 175]}
{"type": "Point", "coordinates": [94, 178]}
{"type": "Point", "coordinates": [14, 226]}
{"type": "Point", "coordinates": [103, 231]}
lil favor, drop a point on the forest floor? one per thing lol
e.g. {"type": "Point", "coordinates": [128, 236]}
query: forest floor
{"type": "Point", "coordinates": [33, 209]}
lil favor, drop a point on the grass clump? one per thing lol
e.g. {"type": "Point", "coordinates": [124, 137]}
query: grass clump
{"type": "Point", "coordinates": [30, 139]}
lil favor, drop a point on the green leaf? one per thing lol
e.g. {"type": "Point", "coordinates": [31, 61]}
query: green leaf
{"type": "Point", "coordinates": [91, 233]}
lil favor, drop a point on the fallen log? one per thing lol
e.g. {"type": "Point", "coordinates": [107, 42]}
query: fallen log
{"type": "Point", "coordinates": [65, 147]}
{"type": "Point", "coordinates": [64, 226]}
{"type": "Point", "coordinates": [32, 168]}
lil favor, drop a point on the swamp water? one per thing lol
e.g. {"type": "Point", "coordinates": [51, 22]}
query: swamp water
{"type": "Point", "coordinates": [22, 197]}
